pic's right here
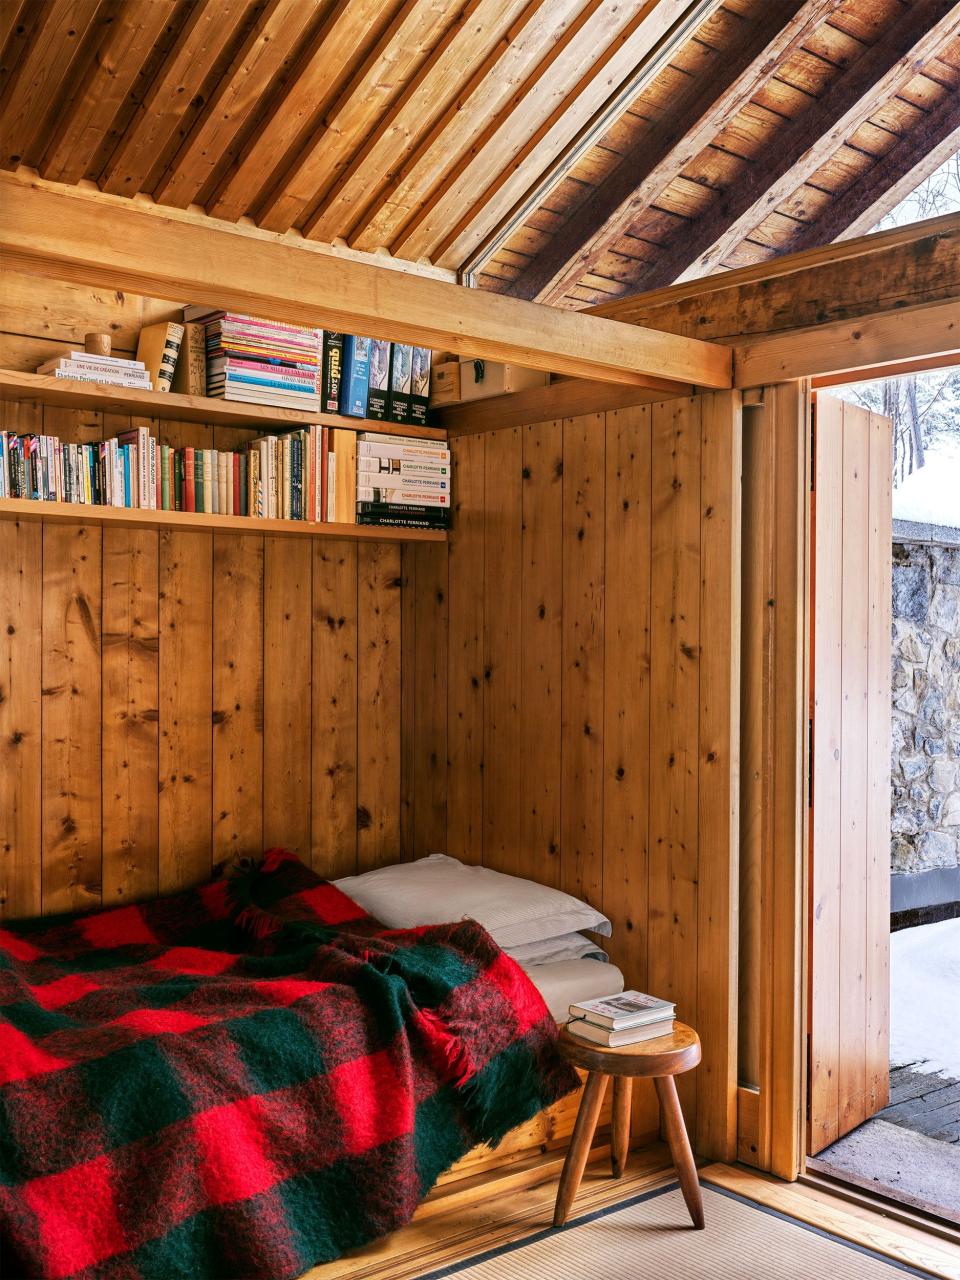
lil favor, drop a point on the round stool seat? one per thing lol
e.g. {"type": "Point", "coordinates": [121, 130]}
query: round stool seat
{"type": "Point", "coordinates": [668, 1055]}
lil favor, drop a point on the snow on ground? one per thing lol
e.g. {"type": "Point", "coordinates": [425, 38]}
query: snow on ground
{"type": "Point", "coordinates": [932, 494]}
{"type": "Point", "coordinates": [925, 997]}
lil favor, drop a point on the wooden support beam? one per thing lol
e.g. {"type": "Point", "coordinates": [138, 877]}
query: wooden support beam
{"type": "Point", "coordinates": [661, 155]}
{"type": "Point", "coordinates": [570, 398]}
{"type": "Point", "coordinates": [76, 236]}
{"type": "Point", "coordinates": [909, 162]}
{"type": "Point", "coordinates": [860, 346]}
{"type": "Point", "coordinates": [907, 266]}
{"type": "Point", "coordinates": [801, 147]}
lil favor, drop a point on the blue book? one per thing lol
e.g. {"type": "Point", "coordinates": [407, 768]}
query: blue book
{"type": "Point", "coordinates": [355, 384]}
{"type": "Point", "coordinates": [126, 476]}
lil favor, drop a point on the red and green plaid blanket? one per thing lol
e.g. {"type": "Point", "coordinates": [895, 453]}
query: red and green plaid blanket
{"type": "Point", "coordinates": [247, 1079]}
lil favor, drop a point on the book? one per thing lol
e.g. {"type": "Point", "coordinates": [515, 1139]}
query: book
{"type": "Point", "coordinates": [158, 348]}
{"type": "Point", "coordinates": [355, 387]}
{"type": "Point", "coordinates": [402, 497]}
{"type": "Point", "coordinates": [130, 372]}
{"type": "Point", "coordinates": [418, 452]}
{"type": "Point", "coordinates": [617, 1039]}
{"type": "Point", "coordinates": [373, 512]}
{"type": "Point", "coordinates": [106, 379]}
{"type": "Point", "coordinates": [378, 397]}
{"type": "Point", "coordinates": [401, 373]}
{"type": "Point", "coordinates": [420, 385]}
{"type": "Point", "coordinates": [344, 447]}
{"type": "Point", "coordinates": [331, 375]}
{"type": "Point", "coordinates": [397, 469]}
{"type": "Point", "coordinates": [628, 1009]}
{"type": "Point", "coordinates": [190, 374]}
{"type": "Point", "coordinates": [86, 357]}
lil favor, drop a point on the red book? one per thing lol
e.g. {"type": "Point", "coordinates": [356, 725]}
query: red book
{"type": "Point", "coordinates": [236, 483]}
{"type": "Point", "coordinates": [324, 456]}
{"type": "Point", "coordinates": [189, 495]}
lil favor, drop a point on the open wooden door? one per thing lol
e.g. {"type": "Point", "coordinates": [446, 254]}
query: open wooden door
{"type": "Point", "coordinates": [850, 770]}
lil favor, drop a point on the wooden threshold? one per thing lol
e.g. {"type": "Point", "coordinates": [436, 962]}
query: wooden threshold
{"type": "Point", "coordinates": [859, 1224]}
{"type": "Point", "coordinates": [204, 522]}
{"type": "Point", "coordinates": [65, 393]}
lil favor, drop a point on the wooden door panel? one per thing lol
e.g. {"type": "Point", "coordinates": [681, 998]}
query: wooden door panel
{"type": "Point", "coordinates": [850, 763]}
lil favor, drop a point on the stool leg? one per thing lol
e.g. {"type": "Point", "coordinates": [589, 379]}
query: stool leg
{"type": "Point", "coordinates": [680, 1147]}
{"type": "Point", "coordinates": [583, 1131]}
{"type": "Point", "coordinates": [620, 1142]}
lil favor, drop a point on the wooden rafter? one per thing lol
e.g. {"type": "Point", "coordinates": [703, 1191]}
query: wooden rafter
{"type": "Point", "coordinates": [909, 162]}
{"type": "Point", "coordinates": [81, 238]}
{"type": "Point", "coordinates": [799, 149]}
{"type": "Point", "coordinates": [662, 154]}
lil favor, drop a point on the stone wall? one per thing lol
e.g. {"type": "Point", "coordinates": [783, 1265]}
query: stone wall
{"type": "Point", "coordinates": [925, 826]}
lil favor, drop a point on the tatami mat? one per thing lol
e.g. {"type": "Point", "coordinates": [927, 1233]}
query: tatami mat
{"type": "Point", "coordinates": [650, 1236]}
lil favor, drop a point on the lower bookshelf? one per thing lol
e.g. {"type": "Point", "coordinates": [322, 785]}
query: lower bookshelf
{"type": "Point", "coordinates": [77, 513]}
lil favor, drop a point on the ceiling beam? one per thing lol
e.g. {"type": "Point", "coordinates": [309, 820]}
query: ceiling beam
{"type": "Point", "coordinates": [906, 266]}
{"type": "Point", "coordinates": [848, 346]}
{"type": "Point", "coordinates": [665, 151]}
{"type": "Point", "coordinates": [910, 161]}
{"type": "Point", "coordinates": [796, 151]}
{"type": "Point", "coordinates": [83, 238]}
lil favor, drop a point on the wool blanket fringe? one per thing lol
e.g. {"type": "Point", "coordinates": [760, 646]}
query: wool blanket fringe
{"type": "Point", "coordinates": [248, 1078]}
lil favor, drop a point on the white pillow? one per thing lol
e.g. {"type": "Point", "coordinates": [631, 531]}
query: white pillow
{"type": "Point", "coordinates": [569, 946]}
{"type": "Point", "coordinates": [438, 889]}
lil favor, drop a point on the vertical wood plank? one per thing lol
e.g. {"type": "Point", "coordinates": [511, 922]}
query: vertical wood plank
{"type": "Point", "coordinates": [541, 655]}
{"type": "Point", "coordinates": [503, 509]}
{"type": "Point", "coordinates": [854, 806]}
{"type": "Point", "coordinates": [287, 570]}
{"type": "Point", "coordinates": [430, 692]}
{"type": "Point", "coordinates": [334, 721]}
{"type": "Point", "coordinates": [186, 710]}
{"type": "Point", "coordinates": [21, 578]}
{"type": "Point", "coordinates": [877, 970]}
{"type": "Point", "coordinates": [674, 713]}
{"type": "Point", "coordinates": [408, 700]}
{"type": "Point", "coordinates": [581, 823]}
{"type": "Point", "coordinates": [378, 701]}
{"type": "Point", "coordinates": [827, 768]}
{"type": "Point", "coordinates": [465, 711]}
{"type": "Point", "coordinates": [237, 696]}
{"type": "Point", "coordinates": [719, 750]}
{"type": "Point", "coordinates": [130, 673]}
{"type": "Point", "coordinates": [626, 718]}
{"type": "Point", "coordinates": [70, 768]}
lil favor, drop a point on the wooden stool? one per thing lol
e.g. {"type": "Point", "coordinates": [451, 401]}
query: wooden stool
{"type": "Point", "coordinates": [660, 1059]}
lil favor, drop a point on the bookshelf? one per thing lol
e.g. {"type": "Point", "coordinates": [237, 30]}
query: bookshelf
{"type": "Point", "coordinates": [63, 393]}
{"type": "Point", "coordinates": [181, 521]}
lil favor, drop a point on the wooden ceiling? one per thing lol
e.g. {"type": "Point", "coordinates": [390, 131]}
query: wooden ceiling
{"type": "Point", "coordinates": [565, 150]}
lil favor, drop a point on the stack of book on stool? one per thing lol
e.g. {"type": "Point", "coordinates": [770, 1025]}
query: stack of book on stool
{"type": "Point", "coordinates": [624, 1019]}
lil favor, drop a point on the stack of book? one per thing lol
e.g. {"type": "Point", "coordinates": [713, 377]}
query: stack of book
{"type": "Point", "coordinates": [260, 361]}
{"type": "Point", "coordinates": [624, 1019]}
{"type": "Point", "coordinates": [111, 370]}
{"type": "Point", "coordinates": [402, 480]}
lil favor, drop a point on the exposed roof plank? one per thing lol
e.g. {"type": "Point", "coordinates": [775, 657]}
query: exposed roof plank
{"type": "Point", "coordinates": [239, 93]}
{"type": "Point", "coordinates": [82, 238]}
{"type": "Point", "coordinates": [554, 104]}
{"type": "Point", "coordinates": [404, 46]}
{"type": "Point", "coordinates": [273, 149]}
{"type": "Point", "coordinates": [803, 145]}
{"type": "Point", "coordinates": [211, 26]}
{"type": "Point", "coordinates": [38, 79]}
{"type": "Point", "coordinates": [658, 159]}
{"type": "Point", "coordinates": [79, 131]}
{"type": "Point", "coordinates": [913, 159]}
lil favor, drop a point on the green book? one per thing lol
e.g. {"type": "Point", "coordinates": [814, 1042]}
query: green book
{"type": "Point", "coordinates": [165, 477]}
{"type": "Point", "coordinates": [178, 480]}
{"type": "Point", "coordinates": [198, 479]}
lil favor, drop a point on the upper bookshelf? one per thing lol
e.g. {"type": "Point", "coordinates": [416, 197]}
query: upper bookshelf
{"type": "Point", "coordinates": [165, 404]}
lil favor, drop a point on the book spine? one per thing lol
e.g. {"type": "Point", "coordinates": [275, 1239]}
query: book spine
{"type": "Point", "coordinates": [420, 386]}
{"type": "Point", "coordinates": [356, 376]}
{"type": "Point", "coordinates": [378, 397]}
{"type": "Point", "coordinates": [331, 377]}
{"type": "Point", "coordinates": [404, 452]}
{"type": "Point", "coordinates": [401, 373]}
{"type": "Point", "coordinates": [402, 497]}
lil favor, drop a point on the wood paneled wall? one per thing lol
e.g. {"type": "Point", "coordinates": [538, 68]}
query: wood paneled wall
{"type": "Point", "coordinates": [169, 700]}
{"type": "Point", "coordinates": [591, 609]}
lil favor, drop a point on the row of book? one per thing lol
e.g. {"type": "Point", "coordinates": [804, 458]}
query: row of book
{"type": "Point", "coordinates": [314, 474]}
{"type": "Point", "coordinates": [237, 357]}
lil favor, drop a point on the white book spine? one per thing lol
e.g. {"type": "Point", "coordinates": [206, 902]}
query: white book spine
{"type": "Point", "coordinates": [402, 497]}
{"type": "Point", "coordinates": [331, 487]}
{"type": "Point", "coordinates": [405, 452]}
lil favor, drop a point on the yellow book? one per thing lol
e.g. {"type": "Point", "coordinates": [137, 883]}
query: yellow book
{"type": "Point", "coordinates": [344, 445]}
{"type": "Point", "coordinates": [158, 348]}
